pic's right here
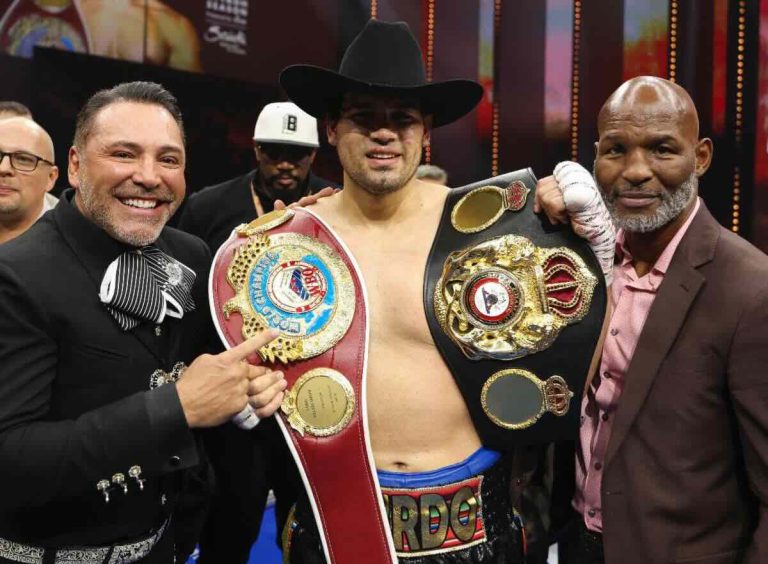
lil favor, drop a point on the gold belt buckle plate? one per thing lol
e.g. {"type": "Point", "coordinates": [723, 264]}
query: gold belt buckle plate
{"type": "Point", "coordinates": [516, 399]}
{"type": "Point", "coordinates": [506, 298]}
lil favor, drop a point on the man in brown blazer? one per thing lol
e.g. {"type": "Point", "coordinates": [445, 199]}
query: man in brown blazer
{"type": "Point", "coordinates": [672, 464]}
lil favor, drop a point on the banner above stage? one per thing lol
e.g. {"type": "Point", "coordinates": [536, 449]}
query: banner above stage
{"type": "Point", "coordinates": [213, 37]}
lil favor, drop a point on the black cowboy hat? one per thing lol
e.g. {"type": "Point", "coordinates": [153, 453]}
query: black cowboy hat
{"type": "Point", "coordinates": [384, 58]}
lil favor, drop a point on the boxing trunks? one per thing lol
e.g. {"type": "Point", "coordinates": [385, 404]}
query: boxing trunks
{"type": "Point", "coordinates": [458, 514]}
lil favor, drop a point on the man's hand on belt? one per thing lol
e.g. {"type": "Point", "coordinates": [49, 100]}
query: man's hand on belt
{"type": "Point", "coordinates": [265, 392]}
{"type": "Point", "coordinates": [549, 199]}
{"type": "Point", "coordinates": [572, 195]}
{"type": "Point", "coordinates": [216, 387]}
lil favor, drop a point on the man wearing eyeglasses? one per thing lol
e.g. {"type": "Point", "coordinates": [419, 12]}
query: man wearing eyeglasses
{"type": "Point", "coordinates": [27, 174]}
{"type": "Point", "coordinates": [247, 464]}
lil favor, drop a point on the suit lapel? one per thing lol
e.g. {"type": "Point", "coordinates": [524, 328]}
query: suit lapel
{"type": "Point", "coordinates": [677, 292]}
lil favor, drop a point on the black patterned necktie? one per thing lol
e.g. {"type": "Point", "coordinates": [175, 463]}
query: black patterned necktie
{"type": "Point", "coordinates": [146, 285]}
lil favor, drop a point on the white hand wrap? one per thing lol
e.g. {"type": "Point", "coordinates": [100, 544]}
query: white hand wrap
{"type": "Point", "coordinates": [247, 418]}
{"type": "Point", "coordinates": [589, 216]}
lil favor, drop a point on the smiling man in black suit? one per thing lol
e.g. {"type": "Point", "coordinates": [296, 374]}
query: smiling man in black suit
{"type": "Point", "coordinates": [101, 309]}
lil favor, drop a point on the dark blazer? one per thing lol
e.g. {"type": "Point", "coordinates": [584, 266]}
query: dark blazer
{"type": "Point", "coordinates": [214, 211]}
{"type": "Point", "coordinates": [686, 470]}
{"type": "Point", "coordinates": [75, 399]}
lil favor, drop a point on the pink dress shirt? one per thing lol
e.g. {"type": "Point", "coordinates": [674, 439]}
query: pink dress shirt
{"type": "Point", "coordinates": [631, 298]}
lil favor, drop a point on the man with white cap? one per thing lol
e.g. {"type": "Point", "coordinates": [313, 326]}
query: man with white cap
{"type": "Point", "coordinates": [285, 144]}
{"type": "Point", "coordinates": [247, 464]}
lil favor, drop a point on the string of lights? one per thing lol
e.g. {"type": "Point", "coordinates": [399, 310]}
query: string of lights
{"type": "Point", "coordinates": [739, 116]}
{"type": "Point", "coordinates": [430, 59]}
{"type": "Point", "coordinates": [495, 122]}
{"type": "Point", "coordinates": [575, 77]}
{"type": "Point", "coordinates": [673, 27]}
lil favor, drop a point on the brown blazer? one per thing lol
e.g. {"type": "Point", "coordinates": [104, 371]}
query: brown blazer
{"type": "Point", "coordinates": [686, 470]}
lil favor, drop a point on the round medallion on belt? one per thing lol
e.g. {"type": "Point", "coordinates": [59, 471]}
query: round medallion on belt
{"type": "Point", "coordinates": [506, 298]}
{"type": "Point", "coordinates": [294, 289]}
{"type": "Point", "coordinates": [297, 285]}
{"type": "Point", "coordinates": [515, 398]}
{"type": "Point", "coordinates": [492, 299]}
{"type": "Point", "coordinates": [321, 403]}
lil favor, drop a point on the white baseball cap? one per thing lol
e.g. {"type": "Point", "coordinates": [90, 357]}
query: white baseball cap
{"type": "Point", "coordinates": [286, 123]}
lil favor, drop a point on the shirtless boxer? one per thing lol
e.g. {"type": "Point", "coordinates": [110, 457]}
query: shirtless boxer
{"type": "Point", "coordinates": [380, 113]}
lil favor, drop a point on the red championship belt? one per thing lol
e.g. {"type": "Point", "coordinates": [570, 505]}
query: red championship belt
{"type": "Point", "coordinates": [287, 270]}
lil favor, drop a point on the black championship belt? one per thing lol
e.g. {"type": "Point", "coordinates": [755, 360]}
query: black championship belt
{"type": "Point", "coordinates": [515, 306]}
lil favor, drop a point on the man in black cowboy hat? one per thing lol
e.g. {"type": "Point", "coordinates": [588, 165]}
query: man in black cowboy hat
{"type": "Point", "coordinates": [380, 112]}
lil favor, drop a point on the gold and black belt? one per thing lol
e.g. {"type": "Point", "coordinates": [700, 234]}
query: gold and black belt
{"type": "Point", "coordinates": [515, 306]}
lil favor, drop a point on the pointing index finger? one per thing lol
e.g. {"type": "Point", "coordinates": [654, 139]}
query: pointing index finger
{"type": "Point", "coordinates": [251, 346]}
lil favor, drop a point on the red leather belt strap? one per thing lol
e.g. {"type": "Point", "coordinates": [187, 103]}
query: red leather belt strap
{"type": "Point", "coordinates": [338, 470]}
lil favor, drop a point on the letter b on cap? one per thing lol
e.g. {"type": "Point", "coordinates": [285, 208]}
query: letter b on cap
{"type": "Point", "coordinates": [290, 123]}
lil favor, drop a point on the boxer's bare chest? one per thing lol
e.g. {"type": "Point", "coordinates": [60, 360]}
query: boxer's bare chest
{"type": "Point", "coordinates": [409, 386]}
{"type": "Point", "coordinates": [392, 257]}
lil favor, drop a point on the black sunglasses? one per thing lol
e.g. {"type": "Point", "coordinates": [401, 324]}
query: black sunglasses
{"type": "Point", "coordinates": [279, 152]}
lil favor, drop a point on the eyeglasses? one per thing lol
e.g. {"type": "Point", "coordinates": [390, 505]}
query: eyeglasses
{"type": "Point", "coordinates": [280, 152]}
{"type": "Point", "coordinates": [23, 161]}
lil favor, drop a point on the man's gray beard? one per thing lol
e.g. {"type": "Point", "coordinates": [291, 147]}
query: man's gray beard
{"type": "Point", "coordinates": [672, 205]}
{"type": "Point", "coordinates": [10, 209]}
{"type": "Point", "coordinates": [99, 214]}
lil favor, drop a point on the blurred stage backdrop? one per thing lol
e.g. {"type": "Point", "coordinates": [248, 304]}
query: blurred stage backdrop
{"type": "Point", "coordinates": [546, 66]}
